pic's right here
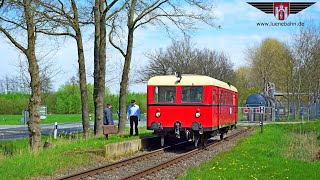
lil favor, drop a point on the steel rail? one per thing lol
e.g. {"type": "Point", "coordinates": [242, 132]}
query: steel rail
{"type": "Point", "coordinates": [118, 164]}
{"type": "Point", "coordinates": [176, 160]}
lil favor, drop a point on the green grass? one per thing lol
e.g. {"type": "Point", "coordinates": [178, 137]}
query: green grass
{"type": "Point", "coordinates": [281, 152]}
{"type": "Point", "coordinates": [68, 153]}
{"type": "Point", "coordinates": [51, 119]}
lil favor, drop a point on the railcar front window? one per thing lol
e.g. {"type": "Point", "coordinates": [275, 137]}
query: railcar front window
{"type": "Point", "coordinates": [192, 94]}
{"type": "Point", "coordinates": [165, 94]}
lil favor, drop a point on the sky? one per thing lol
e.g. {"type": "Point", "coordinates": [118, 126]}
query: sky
{"type": "Point", "coordinates": [238, 32]}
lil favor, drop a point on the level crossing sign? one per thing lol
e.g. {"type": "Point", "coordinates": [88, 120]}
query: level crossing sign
{"type": "Point", "coordinates": [261, 108]}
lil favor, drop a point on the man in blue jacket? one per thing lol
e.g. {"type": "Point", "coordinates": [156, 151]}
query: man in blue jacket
{"type": "Point", "coordinates": [134, 115]}
{"type": "Point", "coordinates": [108, 119]}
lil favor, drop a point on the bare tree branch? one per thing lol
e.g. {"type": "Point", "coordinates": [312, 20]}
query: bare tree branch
{"type": "Point", "coordinates": [56, 34]}
{"type": "Point", "coordinates": [148, 10]}
{"type": "Point", "coordinates": [111, 41]}
{"type": "Point", "coordinates": [1, 3]}
{"type": "Point", "coordinates": [13, 41]}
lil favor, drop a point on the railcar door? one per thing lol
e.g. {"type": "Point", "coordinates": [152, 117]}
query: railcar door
{"type": "Point", "coordinates": [215, 108]}
{"type": "Point", "coordinates": [235, 105]}
{"type": "Point", "coordinates": [220, 107]}
{"type": "Point", "coordinates": [223, 107]}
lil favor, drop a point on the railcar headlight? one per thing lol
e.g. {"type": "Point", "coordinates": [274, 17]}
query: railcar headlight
{"type": "Point", "coordinates": [198, 113]}
{"type": "Point", "coordinates": [158, 114]}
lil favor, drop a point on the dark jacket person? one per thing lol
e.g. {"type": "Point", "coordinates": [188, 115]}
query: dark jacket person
{"type": "Point", "coordinates": [108, 119]}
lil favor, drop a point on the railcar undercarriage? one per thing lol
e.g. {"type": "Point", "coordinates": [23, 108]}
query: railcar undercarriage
{"type": "Point", "coordinates": [198, 136]}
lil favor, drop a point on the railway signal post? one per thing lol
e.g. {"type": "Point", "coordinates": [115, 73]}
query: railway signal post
{"type": "Point", "coordinates": [262, 109]}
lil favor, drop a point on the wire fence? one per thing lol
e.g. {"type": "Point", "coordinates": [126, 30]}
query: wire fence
{"type": "Point", "coordinates": [256, 113]}
{"type": "Point", "coordinates": [308, 111]}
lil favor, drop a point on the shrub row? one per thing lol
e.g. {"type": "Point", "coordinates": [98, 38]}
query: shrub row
{"type": "Point", "coordinates": [66, 100]}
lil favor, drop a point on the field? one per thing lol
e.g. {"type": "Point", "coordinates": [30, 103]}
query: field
{"type": "Point", "coordinates": [280, 152]}
{"type": "Point", "coordinates": [69, 152]}
{"type": "Point", "coordinates": [51, 119]}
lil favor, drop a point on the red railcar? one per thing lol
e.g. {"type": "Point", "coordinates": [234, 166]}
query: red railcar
{"type": "Point", "coordinates": [192, 105]}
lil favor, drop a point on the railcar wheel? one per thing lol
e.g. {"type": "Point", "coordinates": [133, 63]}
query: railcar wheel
{"type": "Point", "coordinates": [221, 136]}
{"type": "Point", "coordinates": [204, 139]}
{"type": "Point", "coordinates": [196, 137]}
{"type": "Point", "coordinates": [162, 141]}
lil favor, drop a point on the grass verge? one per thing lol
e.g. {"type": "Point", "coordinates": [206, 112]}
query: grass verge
{"type": "Point", "coordinates": [281, 152]}
{"type": "Point", "coordinates": [51, 119]}
{"type": "Point", "coordinates": [69, 152]}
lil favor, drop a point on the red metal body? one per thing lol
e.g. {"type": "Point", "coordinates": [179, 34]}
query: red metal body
{"type": "Point", "coordinates": [218, 109]}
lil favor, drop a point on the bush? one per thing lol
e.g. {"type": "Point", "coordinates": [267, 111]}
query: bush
{"type": "Point", "coordinates": [13, 103]}
{"type": "Point", "coordinates": [66, 100]}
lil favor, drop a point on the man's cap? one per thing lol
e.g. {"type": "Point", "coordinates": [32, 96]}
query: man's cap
{"type": "Point", "coordinates": [132, 101]}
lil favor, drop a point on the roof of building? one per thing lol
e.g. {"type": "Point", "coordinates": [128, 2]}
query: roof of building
{"type": "Point", "coordinates": [189, 80]}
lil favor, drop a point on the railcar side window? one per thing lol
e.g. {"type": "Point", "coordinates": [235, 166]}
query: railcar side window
{"type": "Point", "coordinates": [214, 97]}
{"type": "Point", "coordinates": [192, 94]}
{"type": "Point", "coordinates": [165, 94]}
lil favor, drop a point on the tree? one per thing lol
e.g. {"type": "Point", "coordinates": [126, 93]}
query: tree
{"type": "Point", "coordinates": [243, 82]}
{"type": "Point", "coordinates": [182, 56]}
{"type": "Point", "coordinates": [64, 20]}
{"type": "Point", "coordinates": [184, 16]}
{"type": "Point", "coordinates": [25, 22]}
{"type": "Point", "coordinates": [47, 72]}
{"type": "Point", "coordinates": [103, 12]}
{"type": "Point", "coordinates": [268, 61]}
{"type": "Point", "coordinates": [272, 61]}
{"type": "Point", "coordinates": [306, 55]}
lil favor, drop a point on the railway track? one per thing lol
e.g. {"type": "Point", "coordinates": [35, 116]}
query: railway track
{"type": "Point", "coordinates": [167, 164]}
{"type": "Point", "coordinates": [146, 172]}
{"type": "Point", "coordinates": [122, 163]}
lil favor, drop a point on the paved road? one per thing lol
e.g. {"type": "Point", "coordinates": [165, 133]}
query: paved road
{"type": "Point", "coordinates": [10, 132]}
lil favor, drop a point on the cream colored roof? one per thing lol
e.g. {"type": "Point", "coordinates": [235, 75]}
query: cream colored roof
{"type": "Point", "coordinates": [188, 80]}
